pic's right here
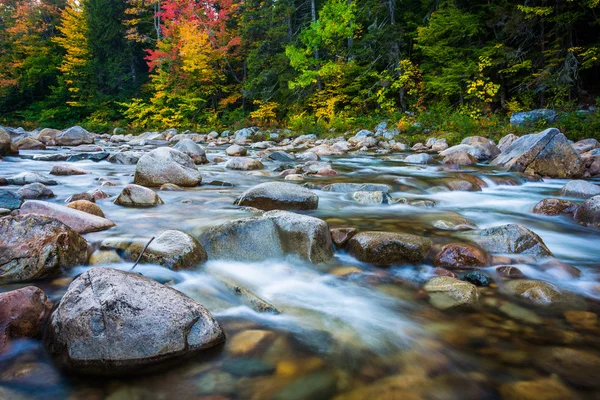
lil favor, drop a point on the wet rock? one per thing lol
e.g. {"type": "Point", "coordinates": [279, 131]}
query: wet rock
{"type": "Point", "coordinates": [560, 269]}
{"type": "Point", "coordinates": [454, 222]}
{"type": "Point", "coordinates": [581, 189]}
{"type": "Point", "coordinates": [236, 150]}
{"type": "Point", "coordinates": [477, 278]}
{"type": "Point", "coordinates": [87, 148]}
{"type": "Point", "coordinates": [166, 165]}
{"type": "Point", "coordinates": [10, 200]}
{"type": "Point", "coordinates": [460, 158]}
{"type": "Point", "coordinates": [356, 187]}
{"type": "Point", "coordinates": [460, 256]}
{"type": "Point", "coordinates": [74, 137]}
{"type": "Point", "coordinates": [294, 177]}
{"type": "Point", "coordinates": [25, 178]}
{"type": "Point", "coordinates": [81, 196]}
{"type": "Point", "coordinates": [387, 248]}
{"type": "Point", "coordinates": [87, 207]}
{"type": "Point", "coordinates": [215, 383]}
{"type": "Point", "coordinates": [547, 153]}
{"type": "Point", "coordinates": [539, 389]}
{"type": "Point", "coordinates": [247, 367]}
{"type": "Point", "coordinates": [509, 239]}
{"type": "Point", "coordinates": [243, 164]}
{"type": "Point", "coordinates": [320, 385]}
{"type": "Point", "coordinates": [578, 367]}
{"type": "Point", "coordinates": [30, 143]}
{"type": "Point", "coordinates": [541, 293]}
{"type": "Point", "coordinates": [48, 136]}
{"type": "Point", "coordinates": [340, 236]}
{"type": "Point", "coordinates": [97, 194]}
{"type": "Point", "coordinates": [67, 169]}
{"type": "Point", "coordinates": [418, 159]}
{"type": "Point", "coordinates": [278, 196]}
{"type": "Point", "coordinates": [581, 319]}
{"type": "Point", "coordinates": [100, 257]}
{"type": "Point", "coordinates": [249, 341]}
{"type": "Point", "coordinates": [281, 156]}
{"type": "Point", "coordinates": [588, 213]}
{"type": "Point", "coordinates": [35, 191]}
{"type": "Point", "coordinates": [273, 235]}
{"type": "Point", "coordinates": [7, 147]}
{"type": "Point", "coordinates": [172, 249]}
{"type": "Point", "coordinates": [462, 185]}
{"type": "Point", "coordinates": [36, 246]}
{"type": "Point", "coordinates": [553, 207]}
{"type": "Point", "coordinates": [169, 187]}
{"type": "Point", "coordinates": [126, 157]}
{"type": "Point", "coordinates": [112, 322]}
{"type": "Point", "coordinates": [251, 299]}
{"type": "Point", "coordinates": [4, 212]}
{"type": "Point", "coordinates": [192, 149]}
{"type": "Point", "coordinates": [506, 271]}
{"type": "Point", "coordinates": [138, 196]}
{"type": "Point", "coordinates": [22, 314]}
{"type": "Point", "coordinates": [96, 157]}
{"type": "Point", "coordinates": [446, 292]}
{"type": "Point", "coordinates": [79, 221]}
{"type": "Point", "coordinates": [370, 198]}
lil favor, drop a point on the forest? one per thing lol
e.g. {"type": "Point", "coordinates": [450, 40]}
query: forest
{"type": "Point", "coordinates": [318, 65]}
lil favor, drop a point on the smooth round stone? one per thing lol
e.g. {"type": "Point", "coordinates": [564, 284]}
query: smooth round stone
{"type": "Point", "coordinates": [278, 196]}
{"type": "Point", "coordinates": [138, 196]}
{"type": "Point", "coordinates": [388, 248]}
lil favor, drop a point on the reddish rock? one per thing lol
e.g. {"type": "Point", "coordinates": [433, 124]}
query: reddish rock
{"type": "Point", "coordinates": [327, 172]}
{"type": "Point", "coordinates": [510, 272]}
{"type": "Point", "coordinates": [67, 169]}
{"type": "Point", "coordinates": [22, 314]}
{"type": "Point", "coordinates": [340, 236]}
{"type": "Point", "coordinates": [445, 272]}
{"type": "Point", "coordinates": [554, 207]}
{"type": "Point", "coordinates": [98, 195]}
{"type": "Point", "coordinates": [460, 256]}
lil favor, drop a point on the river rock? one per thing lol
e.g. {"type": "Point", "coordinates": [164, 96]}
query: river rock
{"type": "Point", "coordinates": [36, 246]}
{"type": "Point", "coordinates": [460, 158]}
{"type": "Point", "coordinates": [34, 191]}
{"type": "Point", "coordinates": [340, 236]}
{"type": "Point", "coordinates": [30, 143]}
{"type": "Point", "coordinates": [585, 145]}
{"type": "Point", "coordinates": [273, 235]}
{"type": "Point", "coordinates": [112, 322]}
{"type": "Point", "coordinates": [509, 239]}
{"type": "Point", "coordinates": [134, 195]}
{"type": "Point", "coordinates": [10, 200]}
{"type": "Point", "coordinates": [460, 256]}
{"type": "Point", "coordinates": [166, 165]}
{"type": "Point", "coordinates": [578, 367]}
{"type": "Point", "coordinates": [278, 196]}
{"type": "Point", "coordinates": [25, 178]}
{"type": "Point", "coordinates": [529, 117]}
{"type": "Point", "coordinates": [554, 207]}
{"type": "Point", "coordinates": [446, 292]}
{"type": "Point", "coordinates": [74, 137]}
{"type": "Point", "coordinates": [481, 151]}
{"type": "Point", "coordinates": [540, 389]}
{"type": "Point", "coordinates": [48, 136]}
{"type": "Point", "coordinates": [370, 198]}
{"type": "Point", "coordinates": [281, 156]}
{"type": "Point", "coordinates": [67, 169]}
{"type": "Point", "coordinates": [387, 248]}
{"type": "Point", "coordinates": [589, 212]}
{"type": "Point", "coordinates": [22, 314]}
{"type": "Point", "coordinates": [192, 149]}
{"type": "Point", "coordinates": [7, 147]}
{"type": "Point", "coordinates": [172, 249]}
{"type": "Point", "coordinates": [320, 385]}
{"type": "Point", "coordinates": [87, 207]}
{"type": "Point", "coordinates": [418, 159]}
{"type": "Point", "coordinates": [583, 189]}
{"type": "Point", "coordinates": [541, 293]}
{"type": "Point", "coordinates": [244, 164]}
{"type": "Point", "coordinates": [87, 148]}
{"type": "Point", "coordinates": [79, 221]}
{"type": "Point", "coordinates": [236, 150]}
{"type": "Point", "coordinates": [356, 187]}
{"type": "Point", "coordinates": [126, 157]}
{"type": "Point", "coordinates": [96, 156]}
{"type": "Point", "coordinates": [506, 141]}
{"type": "Point", "coordinates": [547, 153]}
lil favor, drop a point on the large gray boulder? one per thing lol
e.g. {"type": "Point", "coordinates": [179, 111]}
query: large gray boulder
{"type": "Point", "coordinates": [79, 221]}
{"type": "Point", "coordinates": [278, 196]}
{"type": "Point", "coordinates": [580, 188]}
{"type": "Point", "coordinates": [166, 165]}
{"type": "Point", "coordinates": [36, 246]}
{"type": "Point", "coordinates": [273, 235]}
{"type": "Point", "coordinates": [112, 322]}
{"type": "Point", "coordinates": [74, 137]}
{"type": "Point", "coordinates": [547, 153]}
{"type": "Point", "coordinates": [192, 149]}
{"type": "Point", "coordinates": [509, 239]}
{"type": "Point", "coordinates": [388, 248]}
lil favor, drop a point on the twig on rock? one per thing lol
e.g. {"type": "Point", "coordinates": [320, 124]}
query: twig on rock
{"type": "Point", "coordinates": [141, 254]}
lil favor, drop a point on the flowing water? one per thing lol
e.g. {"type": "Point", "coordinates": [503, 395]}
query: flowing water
{"type": "Point", "coordinates": [368, 334]}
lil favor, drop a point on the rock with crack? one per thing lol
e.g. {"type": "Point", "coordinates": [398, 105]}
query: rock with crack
{"type": "Point", "coordinates": [112, 322]}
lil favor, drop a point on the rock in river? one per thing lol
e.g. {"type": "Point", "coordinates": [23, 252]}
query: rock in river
{"type": "Point", "coordinates": [67, 169]}
{"type": "Point", "coordinates": [244, 164]}
{"type": "Point", "coordinates": [113, 322]}
{"type": "Point", "coordinates": [387, 248]}
{"type": "Point", "coordinates": [22, 314]}
{"type": "Point", "coordinates": [460, 256]}
{"type": "Point", "coordinates": [192, 149]}
{"type": "Point", "coordinates": [25, 178]}
{"type": "Point", "coordinates": [554, 207]}
{"type": "Point", "coordinates": [10, 200]}
{"type": "Point", "coordinates": [541, 293]}
{"type": "Point", "coordinates": [579, 188]}
{"type": "Point", "coordinates": [87, 207]}
{"type": "Point", "coordinates": [7, 147]}
{"type": "Point", "coordinates": [273, 235]}
{"type": "Point", "coordinates": [36, 246]}
{"type": "Point", "coordinates": [509, 239]}
{"type": "Point", "coordinates": [138, 196]}
{"type": "Point", "coordinates": [74, 137]}
{"type": "Point", "coordinates": [166, 165]}
{"type": "Point", "coordinates": [34, 191]}
{"type": "Point", "coordinates": [278, 196]}
{"type": "Point", "coordinates": [589, 212]}
{"type": "Point", "coordinates": [80, 221]}
{"type": "Point", "coordinates": [579, 367]}
{"type": "Point", "coordinates": [447, 292]}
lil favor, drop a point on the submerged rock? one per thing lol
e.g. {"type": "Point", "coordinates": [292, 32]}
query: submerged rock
{"type": "Point", "coordinates": [540, 389]}
{"type": "Point", "coordinates": [554, 207]}
{"type": "Point", "coordinates": [509, 239]}
{"type": "Point", "coordinates": [578, 367]}
{"type": "Point", "coordinates": [113, 322]}
{"type": "Point", "coordinates": [369, 198]}
{"type": "Point", "coordinates": [446, 292]}
{"type": "Point", "coordinates": [278, 196]}
{"type": "Point", "coordinates": [356, 187]}
{"type": "Point", "coordinates": [22, 314]}
{"type": "Point", "coordinates": [138, 196]}
{"type": "Point", "coordinates": [547, 153]}
{"type": "Point", "coordinates": [589, 212]}
{"type": "Point", "coordinates": [542, 293]}
{"type": "Point", "coordinates": [388, 248]}
{"type": "Point", "coordinates": [166, 165]}
{"type": "Point", "coordinates": [36, 246]}
{"type": "Point", "coordinates": [273, 235]}
{"type": "Point", "coordinates": [80, 221]}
